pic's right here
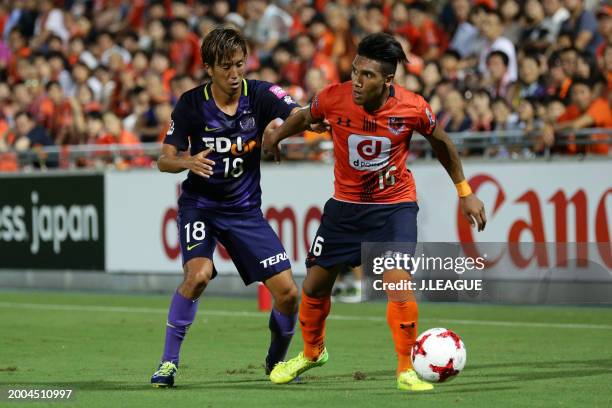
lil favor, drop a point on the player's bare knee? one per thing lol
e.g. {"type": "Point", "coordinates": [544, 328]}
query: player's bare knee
{"type": "Point", "coordinates": [198, 273]}
{"type": "Point", "coordinates": [290, 297]}
{"type": "Point", "coordinates": [315, 292]}
{"type": "Point", "coordinates": [200, 278]}
{"type": "Point", "coordinates": [286, 298]}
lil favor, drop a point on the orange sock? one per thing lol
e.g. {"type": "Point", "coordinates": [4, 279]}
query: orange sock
{"type": "Point", "coordinates": [313, 312]}
{"type": "Point", "coordinates": [402, 318]}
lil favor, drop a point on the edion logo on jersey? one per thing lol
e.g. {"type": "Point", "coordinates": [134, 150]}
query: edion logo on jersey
{"type": "Point", "coordinates": [369, 153]}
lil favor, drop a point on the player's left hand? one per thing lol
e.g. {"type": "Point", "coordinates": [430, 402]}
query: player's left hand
{"type": "Point", "coordinates": [320, 127]}
{"type": "Point", "coordinates": [473, 209]}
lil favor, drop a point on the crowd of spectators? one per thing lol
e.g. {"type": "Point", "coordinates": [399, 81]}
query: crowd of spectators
{"type": "Point", "coordinates": [76, 72]}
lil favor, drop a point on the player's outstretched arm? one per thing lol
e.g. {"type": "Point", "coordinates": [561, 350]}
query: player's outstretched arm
{"type": "Point", "coordinates": [170, 162]}
{"type": "Point", "coordinates": [471, 207]}
{"type": "Point", "coordinates": [296, 123]}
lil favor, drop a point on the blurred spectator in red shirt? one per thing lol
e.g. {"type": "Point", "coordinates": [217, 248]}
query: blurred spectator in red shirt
{"type": "Point", "coordinates": [604, 22]}
{"type": "Point", "coordinates": [426, 38]}
{"type": "Point", "coordinates": [588, 109]}
{"type": "Point", "coordinates": [160, 65]}
{"type": "Point", "coordinates": [55, 113]}
{"type": "Point", "coordinates": [184, 48]}
{"type": "Point", "coordinates": [284, 58]}
{"type": "Point", "coordinates": [370, 19]}
{"type": "Point", "coordinates": [322, 35]}
{"type": "Point", "coordinates": [558, 81]}
{"type": "Point", "coordinates": [415, 63]}
{"type": "Point", "coordinates": [19, 49]}
{"type": "Point", "coordinates": [344, 47]}
{"type": "Point", "coordinates": [311, 58]}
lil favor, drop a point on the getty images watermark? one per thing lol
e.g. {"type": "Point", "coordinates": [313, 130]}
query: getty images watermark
{"type": "Point", "coordinates": [392, 260]}
{"type": "Point", "coordinates": [503, 272]}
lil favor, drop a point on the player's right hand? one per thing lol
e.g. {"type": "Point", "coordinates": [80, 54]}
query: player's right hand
{"type": "Point", "coordinates": [269, 145]}
{"type": "Point", "coordinates": [200, 165]}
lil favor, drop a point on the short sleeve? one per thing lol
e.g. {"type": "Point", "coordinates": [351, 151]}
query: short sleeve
{"type": "Point", "coordinates": [426, 119]}
{"type": "Point", "coordinates": [276, 102]}
{"type": "Point", "coordinates": [179, 131]}
{"type": "Point", "coordinates": [318, 106]}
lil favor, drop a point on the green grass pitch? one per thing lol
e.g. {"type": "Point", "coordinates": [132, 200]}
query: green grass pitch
{"type": "Point", "coordinates": [105, 347]}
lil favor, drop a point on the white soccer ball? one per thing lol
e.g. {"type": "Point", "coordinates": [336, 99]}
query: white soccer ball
{"type": "Point", "coordinates": [438, 355]}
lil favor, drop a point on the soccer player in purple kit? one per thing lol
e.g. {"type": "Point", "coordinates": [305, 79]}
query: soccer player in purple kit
{"type": "Point", "coordinates": [222, 122]}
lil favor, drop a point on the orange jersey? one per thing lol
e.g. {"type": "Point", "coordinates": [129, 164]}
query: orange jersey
{"type": "Point", "coordinates": [371, 149]}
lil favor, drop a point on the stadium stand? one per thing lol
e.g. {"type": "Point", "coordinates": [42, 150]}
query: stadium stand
{"type": "Point", "coordinates": [92, 83]}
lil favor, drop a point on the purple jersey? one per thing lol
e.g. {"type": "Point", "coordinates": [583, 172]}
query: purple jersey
{"type": "Point", "coordinates": [235, 140]}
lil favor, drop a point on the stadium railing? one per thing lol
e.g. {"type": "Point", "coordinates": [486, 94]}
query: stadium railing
{"type": "Point", "coordinates": [516, 144]}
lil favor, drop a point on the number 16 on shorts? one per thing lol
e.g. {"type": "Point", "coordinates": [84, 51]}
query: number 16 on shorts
{"type": "Point", "coordinates": [317, 246]}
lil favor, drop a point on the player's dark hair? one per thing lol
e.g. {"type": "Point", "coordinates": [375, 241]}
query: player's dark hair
{"type": "Point", "coordinates": [221, 44]}
{"type": "Point", "coordinates": [383, 48]}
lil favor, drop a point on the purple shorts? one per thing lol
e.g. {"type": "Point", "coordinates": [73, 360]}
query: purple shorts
{"type": "Point", "coordinates": [252, 244]}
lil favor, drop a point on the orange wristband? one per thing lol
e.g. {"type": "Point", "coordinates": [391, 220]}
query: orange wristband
{"type": "Point", "coordinates": [463, 188]}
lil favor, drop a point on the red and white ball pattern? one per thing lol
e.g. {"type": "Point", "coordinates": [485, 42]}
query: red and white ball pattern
{"type": "Point", "coordinates": [438, 355]}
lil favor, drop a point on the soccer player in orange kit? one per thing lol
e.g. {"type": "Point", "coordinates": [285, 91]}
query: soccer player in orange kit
{"type": "Point", "coordinates": [372, 122]}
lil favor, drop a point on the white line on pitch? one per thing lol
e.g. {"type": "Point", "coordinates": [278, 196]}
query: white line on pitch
{"type": "Point", "coordinates": [228, 313]}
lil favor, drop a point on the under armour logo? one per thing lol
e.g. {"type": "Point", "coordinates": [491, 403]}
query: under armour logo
{"type": "Point", "coordinates": [342, 122]}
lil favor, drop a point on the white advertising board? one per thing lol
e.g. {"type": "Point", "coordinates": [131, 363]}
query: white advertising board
{"type": "Point", "coordinates": [526, 201]}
